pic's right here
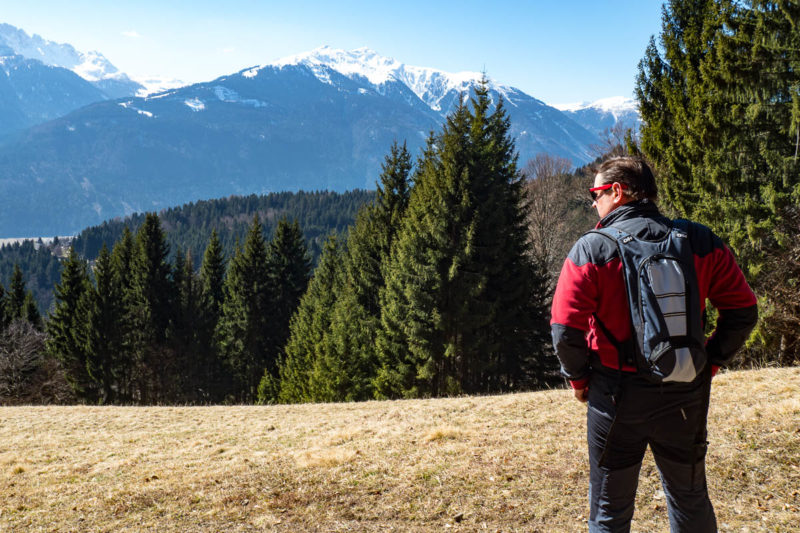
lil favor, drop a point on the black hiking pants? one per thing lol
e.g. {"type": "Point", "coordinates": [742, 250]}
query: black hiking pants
{"type": "Point", "coordinates": [671, 419]}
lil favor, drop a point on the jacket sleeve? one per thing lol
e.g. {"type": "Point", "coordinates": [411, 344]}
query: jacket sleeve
{"type": "Point", "coordinates": [736, 304]}
{"type": "Point", "coordinates": [574, 301]}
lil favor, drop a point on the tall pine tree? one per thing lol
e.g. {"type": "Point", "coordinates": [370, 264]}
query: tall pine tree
{"type": "Point", "coordinates": [16, 295]}
{"type": "Point", "coordinates": [103, 310]}
{"type": "Point", "coordinates": [191, 353]}
{"type": "Point", "coordinates": [309, 327]}
{"type": "Point", "coordinates": [289, 269]}
{"type": "Point", "coordinates": [460, 310]}
{"type": "Point", "coordinates": [66, 328]}
{"type": "Point", "coordinates": [215, 379]}
{"type": "Point", "coordinates": [122, 280]}
{"type": "Point", "coordinates": [5, 318]}
{"type": "Point", "coordinates": [247, 315]}
{"type": "Point", "coordinates": [720, 101]}
{"type": "Point", "coordinates": [30, 311]}
{"type": "Point", "coordinates": [151, 298]}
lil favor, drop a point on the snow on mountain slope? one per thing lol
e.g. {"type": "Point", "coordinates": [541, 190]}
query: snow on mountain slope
{"type": "Point", "coordinates": [92, 66]}
{"type": "Point", "coordinates": [430, 85]}
{"type": "Point", "coordinates": [618, 106]}
{"type": "Point", "coordinates": [602, 115]}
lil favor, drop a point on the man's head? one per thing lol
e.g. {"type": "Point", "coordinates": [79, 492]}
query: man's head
{"type": "Point", "coordinates": [621, 180]}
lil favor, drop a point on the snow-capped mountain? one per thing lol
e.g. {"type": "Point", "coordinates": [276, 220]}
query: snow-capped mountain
{"type": "Point", "coordinates": [430, 85]}
{"type": "Point", "coordinates": [537, 127]}
{"type": "Point", "coordinates": [320, 120]}
{"type": "Point", "coordinates": [91, 66]}
{"type": "Point", "coordinates": [604, 114]}
{"type": "Point", "coordinates": [32, 92]}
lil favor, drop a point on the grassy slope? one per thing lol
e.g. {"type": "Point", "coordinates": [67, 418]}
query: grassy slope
{"type": "Point", "coordinates": [509, 463]}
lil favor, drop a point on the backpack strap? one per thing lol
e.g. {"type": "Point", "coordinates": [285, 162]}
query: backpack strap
{"type": "Point", "coordinates": [624, 349]}
{"type": "Point", "coordinates": [610, 336]}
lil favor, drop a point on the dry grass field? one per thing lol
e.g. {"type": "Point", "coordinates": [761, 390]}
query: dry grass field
{"type": "Point", "coordinates": [499, 463]}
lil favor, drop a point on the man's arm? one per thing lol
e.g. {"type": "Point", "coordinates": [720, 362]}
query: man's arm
{"type": "Point", "coordinates": [572, 351]}
{"type": "Point", "coordinates": [574, 301]}
{"type": "Point", "coordinates": [736, 304]}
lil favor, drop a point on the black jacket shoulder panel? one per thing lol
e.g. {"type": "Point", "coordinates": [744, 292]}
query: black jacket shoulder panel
{"type": "Point", "coordinates": [704, 241]}
{"type": "Point", "coordinates": [642, 220]}
{"type": "Point", "coordinates": [593, 248]}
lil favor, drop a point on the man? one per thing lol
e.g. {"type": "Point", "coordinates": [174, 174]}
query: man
{"type": "Point", "coordinates": [626, 412]}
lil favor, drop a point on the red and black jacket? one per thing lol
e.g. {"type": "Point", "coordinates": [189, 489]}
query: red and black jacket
{"type": "Point", "coordinates": [591, 282]}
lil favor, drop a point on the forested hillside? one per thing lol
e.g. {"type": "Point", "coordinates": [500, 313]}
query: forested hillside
{"type": "Point", "coordinates": [442, 283]}
{"type": "Point", "coordinates": [188, 229]}
{"type": "Point", "coordinates": [434, 290]}
{"type": "Point", "coordinates": [189, 226]}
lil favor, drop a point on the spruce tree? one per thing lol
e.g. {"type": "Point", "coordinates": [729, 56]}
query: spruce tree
{"type": "Point", "coordinates": [370, 239]}
{"type": "Point", "coordinates": [309, 326]}
{"type": "Point", "coordinates": [247, 315]}
{"type": "Point", "coordinates": [191, 353]}
{"type": "Point", "coordinates": [16, 295]}
{"type": "Point", "coordinates": [344, 365]}
{"type": "Point", "coordinates": [102, 306]}
{"type": "Point", "coordinates": [152, 295]}
{"type": "Point", "coordinates": [212, 276]}
{"type": "Point", "coordinates": [122, 283]}
{"type": "Point", "coordinates": [66, 328]}
{"type": "Point", "coordinates": [288, 269]}
{"type": "Point", "coordinates": [349, 362]}
{"type": "Point", "coordinates": [214, 376]}
{"type": "Point", "coordinates": [720, 102]}
{"type": "Point", "coordinates": [30, 311]}
{"type": "Point", "coordinates": [458, 312]}
{"type": "Point", "coordinates": [5, 318]}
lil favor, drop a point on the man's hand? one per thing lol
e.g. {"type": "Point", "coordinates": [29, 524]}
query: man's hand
{"type": "Point", "coordinates": [581, 394]}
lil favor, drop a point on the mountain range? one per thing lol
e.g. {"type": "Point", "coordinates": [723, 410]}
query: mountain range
{"type": "Point", "coordinates": [320, 120]}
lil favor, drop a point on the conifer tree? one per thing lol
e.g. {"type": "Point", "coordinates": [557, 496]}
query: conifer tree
{"type": "Point", "coordinates": [16, 295]}
{"type": "Point", "coordinates": [247, 314]}
{"type": "Point", "coordinates": [151, 298]}
{"type": "Point", "coordinates": [458, 312]}
{"type": "Point", "coordinates": [344, 365]}
{"type": "Point", "coordinates": [66, 327]}
{"type": "Point", "coordinates": [103, 309]}
{"type": "Point", "coordinates": [309, 326]}
{"type": "Point", "coordinates": [191, 353]}
{"type": "Point", "coordinates": [212, 276]}
{"type": "Point", "coordinates": [122, 283]}
{"type": "Point", "coordinates": [370, 239]}
{"type": "Point", "coordinates": [30, 311]}
{"type": "Point", "coordinates": [215, 379]}
{"type": "Point", "coordinates": [288, 269]}
{"type": "Point", "coordinates": [348, 364]}
{"type": "Point", "coordinates": [5, 319]}
{"type": "Point", "coordinates": [721, 105]}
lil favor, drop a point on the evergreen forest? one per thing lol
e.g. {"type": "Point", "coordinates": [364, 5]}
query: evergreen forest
{"type": "Point", "coordinates": [188, 229]}
{"type": "Point", "coordinates": [719, 94]}
{"type": "Point", "coordinates": [439, 282]}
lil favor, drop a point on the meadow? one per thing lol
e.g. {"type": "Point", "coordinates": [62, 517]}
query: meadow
{"type": "Point", "coordinates": [506, 463]}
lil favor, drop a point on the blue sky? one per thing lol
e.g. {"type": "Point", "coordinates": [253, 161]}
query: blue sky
{"type": "Point", "coordinates": [559, 52]}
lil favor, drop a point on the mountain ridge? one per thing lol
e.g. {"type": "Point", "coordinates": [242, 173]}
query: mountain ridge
{"type": "Point", "coordinates": [317, 122]}
{"type": "Point", "coordinates": [92, 66]}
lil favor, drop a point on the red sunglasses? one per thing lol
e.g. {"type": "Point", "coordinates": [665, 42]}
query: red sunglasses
{"type": "Point", "coordinates": [593, 191]}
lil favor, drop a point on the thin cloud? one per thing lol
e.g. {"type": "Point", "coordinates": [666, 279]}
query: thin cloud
{"type": "Point", "coordinates": [228, 50]}
{"type": "Point", "coordinates": [132, 34]}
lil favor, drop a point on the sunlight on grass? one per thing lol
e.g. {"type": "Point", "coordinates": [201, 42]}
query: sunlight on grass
{"type": "Point", "coordinates": [510, 463]}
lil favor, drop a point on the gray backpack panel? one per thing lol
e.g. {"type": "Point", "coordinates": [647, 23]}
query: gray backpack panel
{"type": "Point", "coordinates": [664, 301]}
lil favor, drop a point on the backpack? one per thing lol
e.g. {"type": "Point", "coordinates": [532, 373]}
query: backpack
{"type": "Point", "coordinates": [663, 297]}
